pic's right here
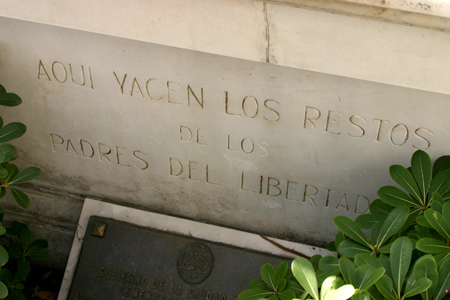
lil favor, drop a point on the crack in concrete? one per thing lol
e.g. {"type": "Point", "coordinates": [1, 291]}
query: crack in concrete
{"type": "Point", "coordinates": [266, 21]}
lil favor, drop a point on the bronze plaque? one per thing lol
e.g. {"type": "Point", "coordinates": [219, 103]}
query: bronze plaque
{"type": "Point", "coordinates": [124, 261]}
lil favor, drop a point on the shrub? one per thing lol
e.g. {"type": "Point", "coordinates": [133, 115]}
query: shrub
{"type": "Point", "coordinates": [406, 254]}
{"type": "Point", "coordinates": [18, 248]}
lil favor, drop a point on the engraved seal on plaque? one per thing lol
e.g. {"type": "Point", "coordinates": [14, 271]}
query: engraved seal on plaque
{"type": "Point", "coordinates": [195, 262]}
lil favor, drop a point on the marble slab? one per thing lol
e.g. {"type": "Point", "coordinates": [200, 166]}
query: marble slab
{"type": "Point", "coordinates": [235, 143]}
{"type": "Point", "coordinates": [102, 241]}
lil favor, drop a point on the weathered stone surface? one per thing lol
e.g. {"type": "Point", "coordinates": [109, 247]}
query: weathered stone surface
{"type": "Point", "coordinates": [241, 144]}
{"type": "Point", "coordinates": [124, 261]}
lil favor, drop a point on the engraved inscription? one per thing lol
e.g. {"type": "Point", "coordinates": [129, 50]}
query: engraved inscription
{"type": "Point", "coordinates": [154, 89]}
{"type": "Point", "coordinates": [192, 170]}
{"type": "Point", "coordinates": [303, 192]}
{"type": "Point", "coordinates": [246, 145]}
{"type": "Point", "coordinates": [196, 135]}
{"type": "Point", "coordinates": [59, 72]}
{"type": "Point", "coordinates": [250, 107]}
{"type": "Point", "coordinates": [116, 155]}
{"type": "Point", "coordinates": [195, 262]}
{"type": "Point", "coordinates": [355, 126]}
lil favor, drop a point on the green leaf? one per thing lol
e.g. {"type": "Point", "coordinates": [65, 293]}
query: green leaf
{"type": "Point", "coordinates": [4, 256]}
{"type": "Point", "coordinates": [331, 246]}
{"type": "Point", "coordinates": [304, 273]}
{"type": "Point", "coordinates": [361, 295]}
{"type": "Point", "coordinates": [401, 252]}
{"type": "Point", "coordinates": [446, 212]}
{"type": "Point", "coordinates": [367, 259]}
{"type": "Point", "coordinates": [268, 275]}
{"type": "Point", "coordinates": [444, 279]}
{"type": "Point", "coordinates": [36, 252]}
{"type": "Point", "coordinates": [18, 295]}
{"type": "Point", "coordinates": [419, 286]}
{"type": "Point", "coordinates": [440, 258]}
{"type": "Point", "coordinates": [386, 263]}
{"type": "Point", "coordinates": [3, 290]}
{"type": "Point", "coordinates": [315, 260]}
{"type": "Point", "coordinates": [9, 99]}
{"type": "Point", "coordinates": [405, 179]}
{"type": "Point", "coordinates": [293, 286]}
{"type": "Point", "coordinates": [446, 196]}
{"type": "Point", "coordinates": [286, 295]}
{"type": "Point", "coordinates": [3, 172]}
{"type": "Point", "coordinates": [437, 221]}
{"type": "Point", "coordinates": [384, 285]}
{"type": "Point", "coordinates": [430, 245]}
{"type": "Point", "coordinates": [258, 284]}
{"type": "Point", "coordinates": [350, 229]}
{"type": "Point", "coordinates": [366, 221]}
{"type": "Point", "coordinates": [5, 275]}
{"type": "Point", "coordinates": [425, 267]}
{"type": "Point", "coordinates": [436, 197]}
{"type": "Point", "coordinates": [394, 222]}
{"type": "Point", "coordinates": [26, 175]}
{"type": "Point", "coordinates": [328, 263]}
{"type": "Point", "coordinates": [435, 204]}
{"type": "Point", "coordinates": [423, 222]}
{"type": "Point", "coordinates": [340, 237]}
{"type": "Point", "coordinates": [347, 269]}
{"type": "Point", "coordinates": [421, 168]}
{"type": "Point", "coordinates": [21, 198]}
{"type": "Point", "coordinates": [25, 238]}
{"type": "Point", "coordinates": [351, 249]}
{"type": "Point", "coordinates": [332, 289]}
{"type": "Point", "coordinates": [332, 282]}
{"type": "Point", "coordinates": [254, 294]}
{"type": "Point", "coordinates": [12, 172]}
{"type": "Point", "coordinates": [396, 197]}
{"type": "Point", "coordinates": [7, 152]}
{"type": "Point", "coordinates": [365, 276]}
{"type": "Point", "coordinates": [440, 164]}
{"type": "Point", "coordinates": [322, 275]}
{"type": "Point", "coordinates": [440, 183]}
{"type": "Point", "coordinates": [280, 275]}
{"type": "Point", "coordinates": [12, 131]}
{"type": "Point", "coordinates": [375, 232]}
{"type": "Point", "coordinates": [23, 269]}
{"type": "Point", "coordinates": [2, 89]}
{"type": "Point", "coordinates": [342, 293]}
{"type": "Point", "coordinates": [379, 207]}
{"type": "Point", "coordinates": [2, 230]}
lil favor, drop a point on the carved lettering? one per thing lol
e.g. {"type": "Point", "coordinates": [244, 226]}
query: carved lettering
{"type": "Point", "coordinates": [196, 171]}
{"type": "Point", "coordinates": [418, 132]}
{"type": "Point", "coordinates": [60, 73]}
{"type": "Point", "coordinates": [123, 81]}
{"type": "Point", "coordinates": [191, 92]}
{"type": "Point", "coordinates": [355, 126]}
{"type": "Point", "coordinates": [42, 71]}
{"type": "Point", "coordinates": [250, 108]}
{"type": "Point", "coordinates": [308, 194]}
{"type": "Point", "coordinates": [187, 134]}
{"type": "Point", "coordinates": [247, 146]}
{"type": "Point", "coordinates": [401, 132]}
{"type": "Point", "coordinates": [159, 85]}
{"type": "Point", "coordinates": [352, 120]}
{"type": "Point", "coordinates": [275, 115]}
{"type": "Point", "coordinates": [136, 88]}
{"type": "Point", "coordinates": [87, 150]}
